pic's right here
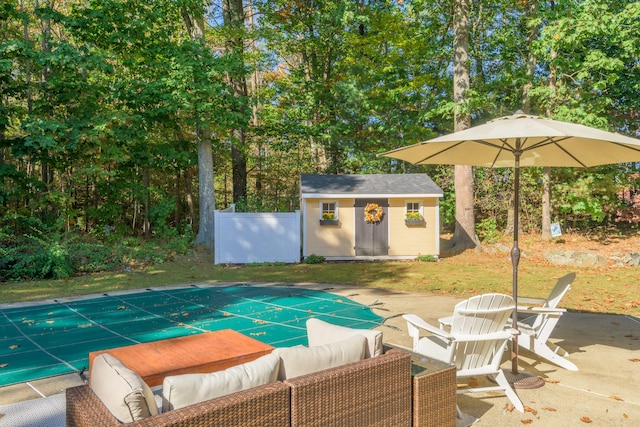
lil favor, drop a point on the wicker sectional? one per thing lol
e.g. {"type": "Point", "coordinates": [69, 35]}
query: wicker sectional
{"type": "Point", "coordinates": [378, 391]}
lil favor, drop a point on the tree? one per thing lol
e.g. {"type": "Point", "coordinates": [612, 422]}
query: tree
{"type": "Point", "coordinates": [464, 235]}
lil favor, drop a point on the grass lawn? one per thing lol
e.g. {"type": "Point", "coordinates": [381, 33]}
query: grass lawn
{"type": "Point", "coordinates": [609, 289]}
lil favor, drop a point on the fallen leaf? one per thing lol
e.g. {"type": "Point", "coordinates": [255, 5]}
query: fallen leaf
{"type": "Point", "coordinates": [634, 359]}
{"type": "Point", "coordinates": [531, 410]}
{"type": "Point", "coordinates": [625, 415]}
{"type": "Point", "coordinates": [615, 323]}
{"type": "Point", "coordinates": [473, 382]}
{"type": "Point", "coordinates": [550, 381]}
{"type": "Point", "coordinates": [526, 421]}
{"type": "Point", "coordinates": [3, 365]}
{"type": "Point", "coordinates": [628, 335]}
{"type": "Point", "coordinates": [616, 398]}
{"type": "Point", "coordinates": [549, 409]}
{"type": "Point", "coordinates": [14, 346]}
{"type": "Point", "coordinates": [586, 420]}
{"type": "Point", "coordinates": [509, 407]}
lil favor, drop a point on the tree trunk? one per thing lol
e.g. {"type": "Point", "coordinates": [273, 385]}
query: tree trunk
{"type": "Point", "coordinates": [233, 15]}
{"type": "Point", "coordinates": [206, 190]}
{"type": "Point", "coordinates": [546, 178]}
{"type": "Point", "coordinates": [464, 235]}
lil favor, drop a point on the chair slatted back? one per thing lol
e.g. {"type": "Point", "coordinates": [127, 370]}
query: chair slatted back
{"type": "Point", "coordinates": [473, 319]}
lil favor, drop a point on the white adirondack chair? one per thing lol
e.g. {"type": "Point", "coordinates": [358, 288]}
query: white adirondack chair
{"type": "Point", "coordinates": [537, 322]}
{"type": "Point", "coordinates": [475, 342]}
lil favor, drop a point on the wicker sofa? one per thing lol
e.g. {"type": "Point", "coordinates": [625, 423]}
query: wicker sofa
{"type": "Point", "coordinates": [372, 392]}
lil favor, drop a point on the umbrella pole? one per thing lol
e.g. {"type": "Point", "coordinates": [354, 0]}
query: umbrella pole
{"type": "Point", "coordinates": [520, 380]}
{"type": "Point", "coordinates": [515, 260]}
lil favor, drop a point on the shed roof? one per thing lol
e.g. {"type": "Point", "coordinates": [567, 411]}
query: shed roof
{"type": "Point", "coordinates": [380, 185]}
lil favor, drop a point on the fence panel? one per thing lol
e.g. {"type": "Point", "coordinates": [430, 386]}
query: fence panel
{"type": "Point", "coordinates": [242, 238]}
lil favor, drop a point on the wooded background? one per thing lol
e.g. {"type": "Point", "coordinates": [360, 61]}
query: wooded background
{"type": "Point", "coordinates": [116, 116]}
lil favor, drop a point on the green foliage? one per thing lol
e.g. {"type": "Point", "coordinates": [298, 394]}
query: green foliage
{"type": "Point", "coordinates": [426, 258]}
{"type": "Point", "coordinates": [487, 230]}
{"type": "Point", "coordinates": [314, 259]}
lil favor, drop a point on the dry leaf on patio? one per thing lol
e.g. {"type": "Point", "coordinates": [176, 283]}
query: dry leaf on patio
{"type": "Point", "coordinates": [509, 407]}
{"type": "Point", "coordinates": [526, 421]}
{"type": "Point", "coordinates": [531, 410]}
{"type": "Point", "coordinates": [586, 420]}
{"type": "Point", "coordinates": [634, 359]}
{"type": "Point", "coordinates": [473, 382]}
{"type": "Point", "coordinates": [550, 381]}
{"type": "Point", "coordinates": [625, 415]}
{"type": "Point", "coordinates": [549, 409]}
{"type": "Point", "coordinates": [616, 398]}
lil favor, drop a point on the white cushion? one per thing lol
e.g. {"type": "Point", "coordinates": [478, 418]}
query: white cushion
{"type": "Point", "coordinates": [179, 391]}
{"type": "Point", "coordinates": [321, 333]}
{"type": "Point", "coordinates": [296, 361]}
{"type": "Point", "coordinates": [121, 390]}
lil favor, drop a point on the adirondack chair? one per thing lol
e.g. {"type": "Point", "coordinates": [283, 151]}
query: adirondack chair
{"type": "Point", "coordinates": [475, 342]}
{"type": "Point", "coordinates": [537, 322]}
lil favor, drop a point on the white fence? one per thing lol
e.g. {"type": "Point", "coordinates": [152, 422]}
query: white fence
{"type": "Point", "coordinates": [242, 238]}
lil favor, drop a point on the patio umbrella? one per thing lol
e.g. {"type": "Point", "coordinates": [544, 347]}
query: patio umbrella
{"type": "Point", "coordinates": [522, 140]}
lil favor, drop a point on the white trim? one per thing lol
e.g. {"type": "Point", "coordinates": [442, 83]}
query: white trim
{"type": "Point", "coordinates": [336, 210]}
{"type": "Point", "coordinates": [368, 196]}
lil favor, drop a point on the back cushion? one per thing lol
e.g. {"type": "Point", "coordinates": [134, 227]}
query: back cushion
{"type": "Point", "coordinates": [321, 333]}
{"type": "Point", "coordinates": [183, 390]}
{"type": "Point", "coordinates": [296, 361]}
{"type": "Point", "coordinates": [121, 390]}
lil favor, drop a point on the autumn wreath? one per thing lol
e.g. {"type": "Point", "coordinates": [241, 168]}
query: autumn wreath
{"type": "Point", "coordinates": [373, 213]}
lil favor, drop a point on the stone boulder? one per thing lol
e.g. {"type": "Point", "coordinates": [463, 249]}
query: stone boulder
{"type": "Point", "coordinates": [576, 259]}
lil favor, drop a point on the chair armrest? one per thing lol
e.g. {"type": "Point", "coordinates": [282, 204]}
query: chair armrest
{"type": "Point", "coordinates": [419, 323]}
{"type": "Point", "coordinates": [500, 335]}
{"type": "Point", "coordinates": [445, 322]}
{"type": "Point", "coordinates": [374, 392]}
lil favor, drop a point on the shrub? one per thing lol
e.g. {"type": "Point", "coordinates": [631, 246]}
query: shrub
{"type": "Point", "coordinates": [314, 259]}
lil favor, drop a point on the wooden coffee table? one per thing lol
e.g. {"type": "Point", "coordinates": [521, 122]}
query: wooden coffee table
{"type": "Point", "coordinates": [202, 353]}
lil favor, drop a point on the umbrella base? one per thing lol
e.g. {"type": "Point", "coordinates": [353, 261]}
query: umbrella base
{"type": "Point", "coordinates": [523, 380]}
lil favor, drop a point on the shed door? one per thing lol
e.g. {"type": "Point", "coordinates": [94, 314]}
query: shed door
{"type": "Point", "coordinates": [372, 239]}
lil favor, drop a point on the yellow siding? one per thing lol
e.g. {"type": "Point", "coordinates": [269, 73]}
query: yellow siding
{"type": "Point", "coordinates": [330, 240]}
{"type": "Point", "coordinates": [407, 240]}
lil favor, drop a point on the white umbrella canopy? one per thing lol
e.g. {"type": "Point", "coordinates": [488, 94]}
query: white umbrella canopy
{"type": "Point", "coordinates": [540, 141]}
{"type": "Point", "coordinates": [522, 140]}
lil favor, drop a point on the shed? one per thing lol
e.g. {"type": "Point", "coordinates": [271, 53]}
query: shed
{"type": "Point", "coordinates": [381, 216]}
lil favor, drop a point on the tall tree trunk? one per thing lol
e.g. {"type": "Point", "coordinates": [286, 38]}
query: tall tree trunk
{"type": "Point", "coordinates": [464, 235]}
{"type": "Point", "coordinates": [546, 174]}
{"type": "Point", "coordinates": [206, 190]}
{"type": "Point", "coordinates": [233, 14]}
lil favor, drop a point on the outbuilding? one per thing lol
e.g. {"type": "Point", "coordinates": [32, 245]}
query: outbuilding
{"type": "Point", "coordinates": [381, 216]}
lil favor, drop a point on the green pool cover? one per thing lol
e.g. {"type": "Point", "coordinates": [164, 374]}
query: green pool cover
{"type": "Point", "coordinates": [44, 340]}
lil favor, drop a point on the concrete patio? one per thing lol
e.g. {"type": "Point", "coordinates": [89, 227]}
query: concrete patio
{"type": "Point", "coordinates": [605, 391]}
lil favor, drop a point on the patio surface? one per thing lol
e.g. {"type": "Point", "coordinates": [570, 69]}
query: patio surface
{"type": "Point", "coordinates": [604, 392]}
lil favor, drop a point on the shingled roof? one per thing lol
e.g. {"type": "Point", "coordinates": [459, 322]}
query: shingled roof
{"type": "Point", "coordinates": [380, 185]}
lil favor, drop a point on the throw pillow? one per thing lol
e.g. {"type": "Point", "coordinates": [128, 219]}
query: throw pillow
{"type": "Point", "coordinates": [296, 361]}
{"type": "Point", "coordinates": [179, 391]}
{"type": "Point", "coordinates": [121, 390]}
{"type": "Point", "coordinates": [321, 333]}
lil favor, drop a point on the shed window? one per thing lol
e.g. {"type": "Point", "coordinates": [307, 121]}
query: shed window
{"type": "Point", "coordinates": [329, 211]}
{"type": "Point", "coordinates": [413, 210]}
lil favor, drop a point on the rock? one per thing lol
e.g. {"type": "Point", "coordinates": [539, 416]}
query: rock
{"type": "Point", "coordinates": [576, 259]}
{"type": "Point", "coordinates": [632, 259]}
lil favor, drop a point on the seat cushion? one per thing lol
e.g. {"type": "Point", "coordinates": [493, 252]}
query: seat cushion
{"type": "Point", "coordinates": [300, 360]}
{"type": "Point", "coordinates": [321, 333]}
{"type": "Point", "coordinates": [121, 390]}
{"type": "Point", "coordinates": [179, 391]}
